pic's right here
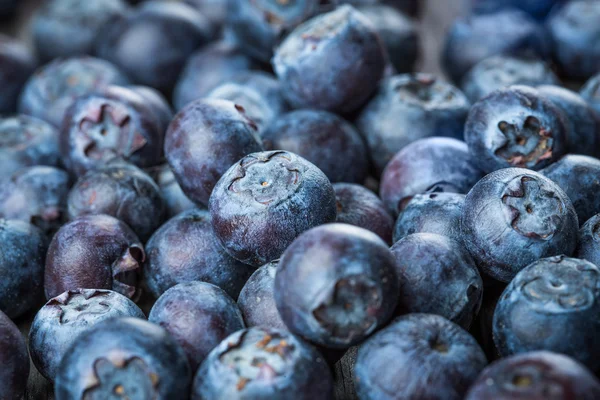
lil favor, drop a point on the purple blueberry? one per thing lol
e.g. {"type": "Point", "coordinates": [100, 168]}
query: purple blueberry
{"type": "Point", "coordinates": [16, 66]}
{"type": "Point", "coordinates": [257, 299]}
{"type": "Point", "coordinates": [588, 247]}
{"type": "Point", "coordinates": [15, 361]}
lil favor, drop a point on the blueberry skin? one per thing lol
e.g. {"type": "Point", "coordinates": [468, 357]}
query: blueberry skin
{"type": "Point", "coordinates": [336, 284]}
{"type": "Point", "coordinates": [431, 213]}
{"type": "Point", "coordinates": [214, 314]}
{"type": "Point", "coordinates": [263, 363]}
{"type": "Point", "coordinates": [159, 104]}
{"type": "Point", "coordinates": [37, 195]}
{"type": "Point", "coordinates": [26, 142]}
{"type": "Point", "coordinates": [265, 200]}
{"type": "Point", "coordinates": [16, 66]}
{"type": "Point", "coordinates": [185, 249]}
{"type": "Point", "coordinates": [257, 299]}
{"type": "Point", "coordinates": [578, 177]}
{"type": "Point", "coordinates": [64, 28]}
{"type": "Point", "coordinates": [552, 305]}
{"type": "Point", "coordinates": [515, 216]}
{"type": "Point", "coordinates": [204, 140]}
{"type": "Point", "coordinates": [407, 108]}
{"type": "Point", "coordinates": [326, 140]}
{"type": "Point", "coordinates": [426, 166]}
{"type": "Point", "coordinates": [174, 199]}
{"type": "Point", "coordinates": [152, 43]}
{"type": "Point", "coordinates": [574, 31]}
{"type": "Point", "coordinates": [22, 253]}
{"type": "Point", "coordinates": [516, 127]}
{"type": "Point", "coordinates": [15, 360]}
{"type": "Point", "coordinates": [538, 9]}
{"type": "Point", "coordinates": [124, 357]}
{"type": "Point", "coordinates": [477, 37]}
{"type": "Point", "coordinates": [588, 247]}
{"type": "Point", "coordinates": [418, 356]}
{"type": "Point", "coordinates": [63, 318]}
{"type": "Point", "coordinates": [214, 10]}
{"type": "Point", "coordinates": [591, 92]}
{"type": "Point", "coordinates": [500, 71]}
{"type": "Point", "coordinates": [54, 86]}
{"type": "Point", "coordinates": [331, 62]}
{"type": "Point", "coordinates": [358, 206]}
{"type": "Point", "coordinates": [94, 251]}
{"type": "Point", "coordinates": [536, 375]}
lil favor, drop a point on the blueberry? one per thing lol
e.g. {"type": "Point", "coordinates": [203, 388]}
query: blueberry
{"type": "Point", "coordinates": [174, 199]}
{"type": "Point", "coordinates": [185, 249]}
{"type": "Point", "coordinates": [63, 318]}
{"type": "Point", "coordinates": [54, 86]}
{"type": "Point", "coordinates": [263, 363]}
{"type": "Point", "coordinates": [257, 299]}
{"type": "Point", "coordinates": [431, 213]}
{"type": "Point", "coordinates": [324, 139]}
{"type": "Point", "coordinates": [159, 104]}
{"type": "Point", "coordinates": [589, 241]}
{"type": "Point", "coordinates": [538, 9]}
{"type": "Point", "coordinates": [214, 314]}
{"type": "Point", "coordinates": [552, 305]}
{"type": "Point", "coordinates": [123, 357]}
{"type": "Point", "coordinates": [425, 166]}
{"type": "Point", "coordinates": [407, 108]}
{"type": "Point", "coordinates": [418, 356]}
{"type": "Point", "coordinates": [214, 10]}
{"type": "Point", "coordinates": [515, 127]}
{"type": "Point", "coordinates": [475, 38]}
{"type": "Point", "coordinates": [513, 217]}
{"type": "Point", "coordinates": [536, 375]}
{"type": "Point", "coordinates": [591, 92]}
{"type": "Point", "coordinates": [336, 284]}
{"type": "Point", "coordinates": [578, 177]}
{"type": "Point", "coordinates": [63, 28]}
{"type": "Point", "coordinates": [15, 360]}
{"type": "Point", "coordinates": [22, 253]}
{"type": "Point", "coordinates": [94, 252]}
{"type": "Point", "coordinates": [331, 62]}
{"type": "Point", "coordinates": [16, 66]}
{"type": "Point", "coordinates": [37, 195]}
{"type": "Point", "coordinates": [265, 200]}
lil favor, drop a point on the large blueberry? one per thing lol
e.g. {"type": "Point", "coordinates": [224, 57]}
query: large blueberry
{"type": "Point", "coordinates": [265, 200]}
{"type": "Point", "coordinates": [257, 299]}
{"type": "Point", "coordinates": [588, 247]}
{"type": "Point", "coordinates": [591, 92]}
{"type": "Point", "coordinates": [16, 66]}
{"type": "Point", "coordinates": [15, 360]}
{"type": "Point", "coordinates": [536, 8]}
{"type": "Point", "coordinates": [173, 197]}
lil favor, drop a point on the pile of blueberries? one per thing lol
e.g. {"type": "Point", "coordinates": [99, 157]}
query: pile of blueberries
{"type": "Point", "coordinates": [237, 171]}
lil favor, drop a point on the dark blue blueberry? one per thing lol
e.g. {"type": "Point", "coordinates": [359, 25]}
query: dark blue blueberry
{"type": "Point", "coordinates": [336, 284]}
{"type": "Point", "coordinates": [332, 62]}
{"type": "Point", "coordinates": [324, 139]}
{"type": "Point", "coordinates": [265, 200]}
{"type": "Point", "coordinates": [589, 241]}
{"type": "Point", "coordinates": [257, 299]}
{"type": "Point", "coordinates": [63, 28]}
{"type": "Point", "coordinates": [198, 316]}
{"type": "Point", "coordinates": [263, 363]}
{"type": "Point", "coordinates": [22, 253]}
{"type": "Point", "coordinates": [578, 177]}
{"type": "Point", "coordinates": [475, 38]}
{"type": "Point", "coordinates": [358, 206]}
{"type": "Point", "coordinates": [206, 138]}
{"type": "Point", "coordinates": [15, 361]}
{"type": "Point", "coordinates": [515, 216]}
{"type": "Point", "coordinates": [428, 165]}
{"type": "Point", "coordinates": [407, 108]}
{"type": "Point", "coordinates": [63, 318]}
{"type": "Point", "coordinates": [591, 92]}
{"type": "Point", "coordinates": [552, 304]}
{"type": "Point", "coordinates": [174, 199]}
{"type": "Point", "coordinates": [94, 252]}
{"type": "Point", "coordinates": [125, 358]}
{"type": "Point", "coordinates": [516, 127]}
{"type": "Point", "coordinates": [16, 66]}
{"type": "Point", "coordinates": [157, 102]}
{"type": "Point", "coordinates": [431, 213]}
{"type": "Point", "coordinates": [54, 86]}
{"type": "Point", "coordinates": [418, 356]}
{"type": "Point", "coordinates": [538, 9]}
{"type": "Point", "coordinates": [185, 249]}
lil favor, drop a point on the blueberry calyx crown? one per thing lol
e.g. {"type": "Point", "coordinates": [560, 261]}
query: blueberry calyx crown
{"type": "Point", "coordinates": [526, 146]}
{"type": "Point", "coordinates": [129, 379]}
{"type": "Point", "coordinates": [76, 304]}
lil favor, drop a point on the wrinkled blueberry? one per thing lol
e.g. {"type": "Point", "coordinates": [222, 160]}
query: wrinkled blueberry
{"type": "Point", "coordinates": [591, 92]}
{"type": "Point", "coordinates": [16, 66]}
{"type": "Point", "coordinates": [174, 199]}
{"type": "Point", "coordinates": [15, 360]}
{"type": "Point", "coordinates": [538, 9]}
{"type": "Point", "coordinates": [588, 247]}
{"type": "Point", "coordinates": [257, 299]}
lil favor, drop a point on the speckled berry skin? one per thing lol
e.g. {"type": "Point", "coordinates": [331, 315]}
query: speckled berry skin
{"type": "Point", "coordinates": [94, 251]}
{"type": "Point", "coordinates": [15, 360]}
{"type": "Point", "coordinates": [16, 66]}
{"type": "Point", "coordinates": [198, 316]}
{"type": "Point", "coordinates": [326, 140]}
{"type": "Point", "coordinates": [263, 363]}
{"type": "Point", "coordinates": [418, 356]}
{"type": "Point", "coordinates": [428, 165]}
{"type": "Point", "coordinates": [22, 253]}
{"type": "Point", "coordinates": [588, 247]}
{"type": "Point", "coordinates": [54, 86]}
{"type": "Point", "coordinates": [536, 375]}
{"type": "Point", "coordinates": [265, 200]}
{"type": "Point", "coordinates": [331, 62]}
{"type": "Point", "coordinates": [206, 138]}
{"type": "Point", "coordinates": [552, 305]}
{"type": "Point", "coordinates": [257, 299]}
{"type": "Point", "coordinates": [591, 92]}
{"type": "Point", "coordinates": [515, 216]}
{"type": "Point", "coordinates": [126, 357]}
{"type": "Point", "coordinates": [174, 199]}
{"type": "Point", "coordinates": [63, 318]}
{"type": "Point", "coordinates": [516, 127]}
{"type": "Point", "coordinates": [185, 249]}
